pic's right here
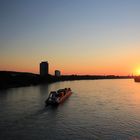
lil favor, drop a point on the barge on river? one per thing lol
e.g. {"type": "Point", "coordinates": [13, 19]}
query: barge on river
{"type": "Point", "coordinates": [137, 78]}
{"type": "Point", "coordinates": [59, 96]}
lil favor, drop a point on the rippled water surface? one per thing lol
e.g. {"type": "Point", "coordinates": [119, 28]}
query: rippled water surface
{"type": "Point", "coordinates": [97, 109]}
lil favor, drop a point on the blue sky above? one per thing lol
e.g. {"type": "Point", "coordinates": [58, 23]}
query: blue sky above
{"type": "Point", "coordinates": [24, 17]}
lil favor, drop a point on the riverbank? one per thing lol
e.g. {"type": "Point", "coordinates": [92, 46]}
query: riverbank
{"type": "Point", "coordinates": [11, 79]}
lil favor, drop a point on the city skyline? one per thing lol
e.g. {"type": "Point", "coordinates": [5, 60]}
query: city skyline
{"type": "Point", "coordinates": [75, 36]}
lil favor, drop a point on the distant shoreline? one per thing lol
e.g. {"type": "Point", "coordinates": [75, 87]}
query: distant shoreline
{"type": "Point", "coordinates": [12, 79]}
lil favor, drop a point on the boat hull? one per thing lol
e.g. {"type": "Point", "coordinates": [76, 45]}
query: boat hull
{"type": "Point", "coordinates": [64, 97]}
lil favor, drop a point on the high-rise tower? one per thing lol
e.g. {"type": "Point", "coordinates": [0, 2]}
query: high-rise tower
{"type": "Point", "coordinates": [44, 68]}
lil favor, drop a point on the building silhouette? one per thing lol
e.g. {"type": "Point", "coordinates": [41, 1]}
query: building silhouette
{"type": "Point", "coordinates": [44, 68]}
{"type": "Point", "coordinates": [57, 73]}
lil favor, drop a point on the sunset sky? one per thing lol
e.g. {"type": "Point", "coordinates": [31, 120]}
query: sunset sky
{"type": "Point", "coordinates": [74, 36]}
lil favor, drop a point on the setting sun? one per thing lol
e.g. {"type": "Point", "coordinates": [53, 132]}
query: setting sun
{"type": "Point", "coordinates": [137, 72]}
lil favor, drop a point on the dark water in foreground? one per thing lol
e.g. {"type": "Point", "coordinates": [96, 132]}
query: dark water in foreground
{"type": "Point", "coordinates": [98, 109]}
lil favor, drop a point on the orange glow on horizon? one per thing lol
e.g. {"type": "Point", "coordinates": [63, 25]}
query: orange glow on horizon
{"type": "Point", "coordinates": [77, 70]}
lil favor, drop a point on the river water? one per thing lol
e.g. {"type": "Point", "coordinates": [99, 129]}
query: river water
{"type": "Point", "coordinates": [97, 109]}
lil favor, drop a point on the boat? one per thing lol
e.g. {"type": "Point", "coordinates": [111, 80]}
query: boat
{"type": "Point", "coordinates": [59, 96]}
{"type": "Point", "coordinates": [137, 78]}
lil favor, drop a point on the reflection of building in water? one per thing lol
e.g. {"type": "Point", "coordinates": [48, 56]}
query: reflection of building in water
{"type": "Point", "coordinates": [44, 68]}
{"type": "Point", "coordinates": [57, 73]}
